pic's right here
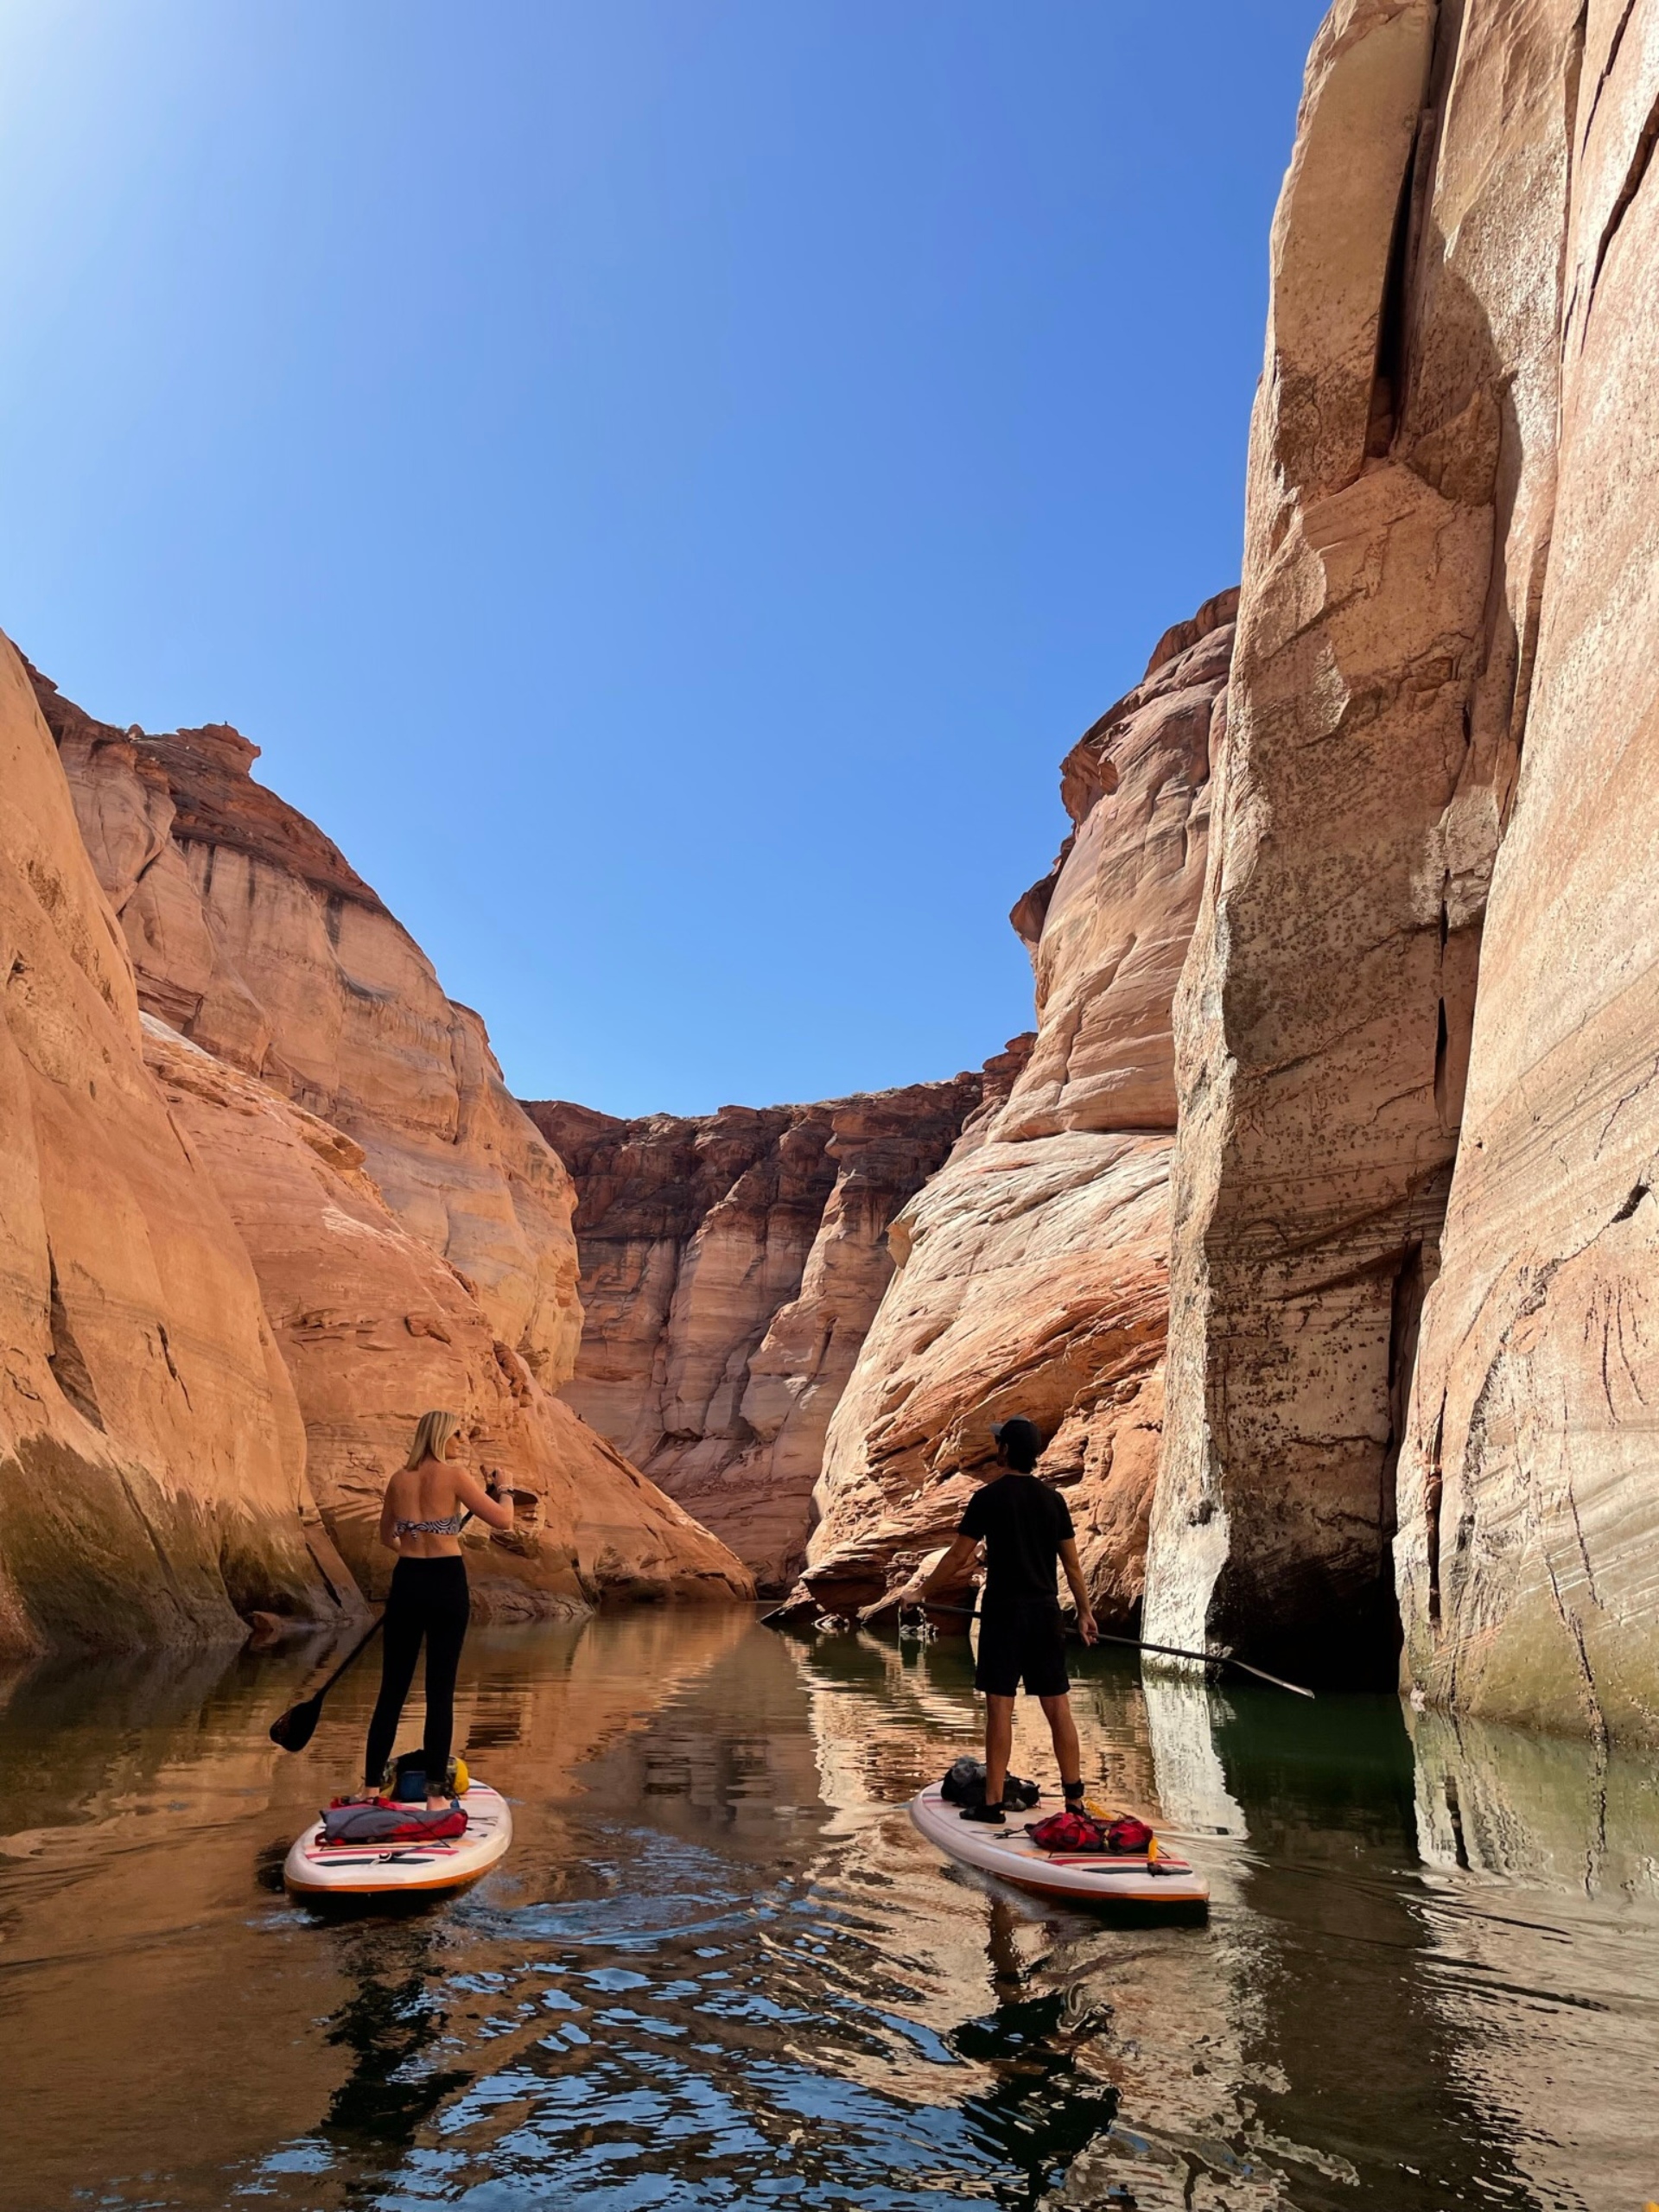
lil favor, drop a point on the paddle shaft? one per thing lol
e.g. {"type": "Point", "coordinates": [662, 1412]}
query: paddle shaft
{"type": "Point", "coordinates": [1135, 1643]}
{"type": "Point", "coordinates": [352, 1656]}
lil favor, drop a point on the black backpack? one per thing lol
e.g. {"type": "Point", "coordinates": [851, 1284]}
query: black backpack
{"type": "Point", "coordinates": [964, 1785]}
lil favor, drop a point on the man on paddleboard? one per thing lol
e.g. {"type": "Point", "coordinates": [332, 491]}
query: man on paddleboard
{"type": "Point", "coordinates": [1026, 1528]}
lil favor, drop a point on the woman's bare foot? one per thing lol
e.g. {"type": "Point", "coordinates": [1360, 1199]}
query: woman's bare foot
{"type": "Point", "coordinates": [438, 1804]}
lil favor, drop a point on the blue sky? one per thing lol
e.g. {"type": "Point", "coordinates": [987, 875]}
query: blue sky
{"type": "Point", "coordinates": [664, 480]}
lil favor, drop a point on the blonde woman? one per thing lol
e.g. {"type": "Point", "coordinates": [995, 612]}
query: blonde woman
{"type": "Point", "coordinates": [421, 1521]}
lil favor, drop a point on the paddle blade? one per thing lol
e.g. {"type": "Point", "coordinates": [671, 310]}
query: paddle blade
{"type": "Point", "coordinates": [293, 1730]}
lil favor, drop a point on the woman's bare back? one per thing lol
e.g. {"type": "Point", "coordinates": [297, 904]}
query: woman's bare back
{"type": "Point", "coordinates": [440, 1491]}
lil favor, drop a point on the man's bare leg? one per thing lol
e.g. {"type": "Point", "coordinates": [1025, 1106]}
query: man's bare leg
{"type": "Point", "coordinates": [1057, 1711]}
{"type": "Point", "coordinates": [998, 1745]}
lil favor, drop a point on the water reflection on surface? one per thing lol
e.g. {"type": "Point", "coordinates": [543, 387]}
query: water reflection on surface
{"type": "Point", "coordinates": [720, 1968]}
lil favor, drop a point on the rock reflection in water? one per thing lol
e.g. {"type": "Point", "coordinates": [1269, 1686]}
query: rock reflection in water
{"type": "Point", "coordinates": [389, 2025]}
{"type": "Point", "coordinates": [720, 1967]}
{"type": "Point", "coordinates": [1541, 1859]}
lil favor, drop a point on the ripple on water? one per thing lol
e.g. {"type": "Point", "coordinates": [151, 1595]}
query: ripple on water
{"type": "Point", "coordinates": [720, 1967]}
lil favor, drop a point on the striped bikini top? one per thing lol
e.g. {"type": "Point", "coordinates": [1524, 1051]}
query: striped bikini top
{"type": "Point", "coordinates": [450, 1526]}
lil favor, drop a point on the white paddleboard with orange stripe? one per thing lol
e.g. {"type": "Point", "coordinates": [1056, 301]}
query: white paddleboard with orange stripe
{"type": "Point", "coordinates": [364, 1871]}
{"type": "Point", "coordinates": [1158, 1876]}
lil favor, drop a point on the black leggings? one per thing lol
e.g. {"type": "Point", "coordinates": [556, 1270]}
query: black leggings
{"type": "Point", "coordinates": [428, 1599]}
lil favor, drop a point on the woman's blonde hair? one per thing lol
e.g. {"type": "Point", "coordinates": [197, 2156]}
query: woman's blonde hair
{"type": "Point", "coordinates": [432, 1432]}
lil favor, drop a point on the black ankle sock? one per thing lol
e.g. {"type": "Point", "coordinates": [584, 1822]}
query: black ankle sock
{"type": "Point", "coordinates": [1073, 1792]}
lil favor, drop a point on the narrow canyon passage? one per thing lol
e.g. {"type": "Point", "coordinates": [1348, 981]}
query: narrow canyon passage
{"type": "Point", "coordinates": [1311, 1228]}
{"type": "Point", "coordinates": [721, 1968]}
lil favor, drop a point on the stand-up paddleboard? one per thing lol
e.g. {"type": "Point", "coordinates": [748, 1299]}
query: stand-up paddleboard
{"type": "Point", "coordinates": [362, 1873]}
{"type": "Point", "coordinates": [1159, 1878]}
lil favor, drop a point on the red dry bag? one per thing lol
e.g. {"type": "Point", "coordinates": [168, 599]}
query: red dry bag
{"type": "Point", "coordinates": [1128, 1835]}
{"type": "Point", "coordinates": [1068, 1831]}
{"type": "Point", "coordinates": [1074, 1831]}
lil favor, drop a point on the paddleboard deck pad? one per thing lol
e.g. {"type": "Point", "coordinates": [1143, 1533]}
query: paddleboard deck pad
{"type": "Point", "coordinates": [1078, 1878]}
{"type": "Point", "coordinates": [362, 1872]}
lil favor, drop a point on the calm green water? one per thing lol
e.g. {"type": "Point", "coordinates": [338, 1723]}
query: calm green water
{"type": "Point", "coordinates": [720, 1968]}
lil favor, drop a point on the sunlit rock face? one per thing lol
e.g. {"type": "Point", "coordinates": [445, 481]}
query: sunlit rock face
{"type": "Point", "coordinates": [409, 1227]}
{"type": "Point", "coordinates": [373, 1326]}
{"type": "Point", "coordinates": [152, 1459]}
{"type": "Point", "coordinates": [1437, 767]}
{"type": "Point", "coordinates": [251, 935]}
{"type": "Point", "coordinates": [1529, 1546]}
{"type": "Point", "coordinates": [1032, 1270]}
{"type": "Point", "coordinates": [732, 1264]}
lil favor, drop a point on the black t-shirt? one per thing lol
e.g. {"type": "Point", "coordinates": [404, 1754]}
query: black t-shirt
{"type": "Point", "coordinates": [1022, 1523]}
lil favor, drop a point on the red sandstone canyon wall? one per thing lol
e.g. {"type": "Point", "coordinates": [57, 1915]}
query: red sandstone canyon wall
{"type": "Point", "coordinates": [1316, 1224]}
{"type": "Point", "coordinates": [1528, 1551]}
{"type": "Point", "coordinates": [152, 1458]}
{"type": "Point", "coordinates": [732, 1264]}
{"type": "Point", "coordinates": [1412, 1343]}
{"type": "Point", "coordinates": [370, 1321]}
{"type": "Point", "coordinates": [1031, 1270]}
{"type": "Point", "coordinates": [251, 935]}
{"type": "Point", "coordinates": [408, 1227]}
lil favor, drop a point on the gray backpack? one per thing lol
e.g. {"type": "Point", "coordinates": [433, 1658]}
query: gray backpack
{"type": "Point", "coordinates": [391, 1824]}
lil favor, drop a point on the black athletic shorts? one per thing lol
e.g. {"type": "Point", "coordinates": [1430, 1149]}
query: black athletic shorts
{"type": "Point", "coordinates": [1013, 1646]}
